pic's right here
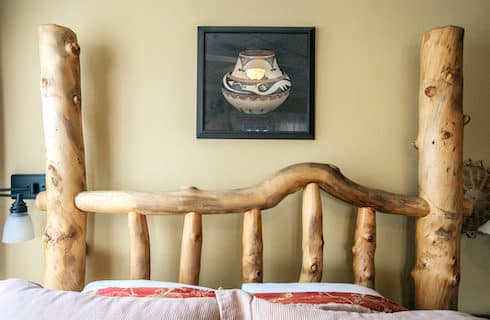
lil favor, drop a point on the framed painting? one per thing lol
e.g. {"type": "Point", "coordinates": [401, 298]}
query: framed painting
{"type": "Point", "coordinates": [256, 82]}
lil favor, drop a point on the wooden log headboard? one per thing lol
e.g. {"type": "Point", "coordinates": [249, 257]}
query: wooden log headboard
{"type": "Point", "coordinates": [438, 208]}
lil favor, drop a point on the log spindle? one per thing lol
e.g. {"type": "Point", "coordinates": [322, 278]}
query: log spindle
{"type": "Point", "coordinates": [364, 247]}
{"type": "Point", "coordinates": [139, 246]}
{"type": "Point", "coordinates": [440, 141]}
{"type": "Point", "coordinates": [64, 235]}
{"type": "Point", "coordinates": [312, 262]}
{"type": "Point", "coordinates": [190, 253]}
{"type": "Point", "coordinates": [252, 263]}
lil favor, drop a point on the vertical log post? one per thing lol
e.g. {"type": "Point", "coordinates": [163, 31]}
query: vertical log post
{"type": "Point", "coordinates": [312, 262]}
{"type": "Point", "coordinates": [364, 247]}
{"type": "Point", "coordinates": [440, 146]}
{"type": "Point", "coordinates": [64, 237]}
{"type": "Point", "coordinates": [139, 246]}
{"type": "Point", "coordinates": [252, 246]}
{"type": "Point", "coordinates": [190, 253]}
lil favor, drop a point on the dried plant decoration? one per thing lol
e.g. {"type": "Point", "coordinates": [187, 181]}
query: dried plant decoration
{"type": "Point", "coordinates": [477, 189]}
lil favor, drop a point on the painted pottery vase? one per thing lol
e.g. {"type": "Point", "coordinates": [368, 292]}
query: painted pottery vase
{"type": "Point", "coordinates": [256, 85]}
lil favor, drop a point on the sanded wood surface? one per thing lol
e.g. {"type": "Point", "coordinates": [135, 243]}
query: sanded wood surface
{"type": "Point", "coordinates": [312, 243]}
{"type": "Point", "coordinates": [364, 247]}
{"type": "Point", "coordinates": [41, 204]}
{"type": "Point", "coordinates": [190, 253]}
{"type": "Point", "coordinates": [440, 146]}
{"type": "Point", "coordinates": [252, 246]}
{"type": "Point", "coordinates": [262, 196]}
{"type": "Point", "coordinates": [64, 235]}
{"type": "Point", "coordinates": [139, 246]}
{"type": "Point", "coordinates": [41, 200]}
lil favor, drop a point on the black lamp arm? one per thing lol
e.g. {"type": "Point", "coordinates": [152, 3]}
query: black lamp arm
{"type": "Point", "coordinates": [11, 195]}
{"type": "Point", "coordinates": [14, 189]}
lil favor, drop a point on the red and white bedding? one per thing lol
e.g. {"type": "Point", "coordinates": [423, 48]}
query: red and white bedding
{"type": "Point", "coordinates": [340, 301]}
{"type": "Point", "coordinates": [21, 299]}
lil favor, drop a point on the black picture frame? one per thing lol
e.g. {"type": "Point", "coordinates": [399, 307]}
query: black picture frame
{"type": "Point", "coordinates": [218, 50]}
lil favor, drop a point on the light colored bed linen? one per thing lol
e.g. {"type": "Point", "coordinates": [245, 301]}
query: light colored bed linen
{"type": "Point", "coordinates": [101, 284]}
{"type": "Point", "coordinates": [307, 287]}
{"type": "Point", "coordinates": [24, 300]}
{"type": "Point", "coordinates": [262, 309]}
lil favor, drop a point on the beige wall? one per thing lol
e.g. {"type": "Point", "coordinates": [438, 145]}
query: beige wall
{"type": "Point", "coordinates": [139, 75]}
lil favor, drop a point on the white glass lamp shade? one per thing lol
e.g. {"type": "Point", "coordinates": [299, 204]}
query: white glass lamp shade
{"type": "Point", "coordinates": [18, 228]}
{"type": "Point", "coordinates": [485, 228]}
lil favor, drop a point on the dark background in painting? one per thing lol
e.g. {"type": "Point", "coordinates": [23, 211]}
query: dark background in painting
{"type": "Point", "coordinates": [221, 51]}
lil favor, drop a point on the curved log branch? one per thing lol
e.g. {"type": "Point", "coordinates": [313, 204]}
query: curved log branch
{"type": "Point", "coordinates": [41, 204]}
{"type": "Point", "coordinates": [262, 196]}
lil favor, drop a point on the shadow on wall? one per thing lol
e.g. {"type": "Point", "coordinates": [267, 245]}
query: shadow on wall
{"type": "Point", "coordinates": [96, 65]}
{"type": "Point", "coordinates": [411, 58]}
{"type": "Point", "coordinates": [2, 168]}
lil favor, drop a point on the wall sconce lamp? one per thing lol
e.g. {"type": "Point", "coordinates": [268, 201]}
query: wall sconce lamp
{"type": "Point", "coordinates": [18, 227]}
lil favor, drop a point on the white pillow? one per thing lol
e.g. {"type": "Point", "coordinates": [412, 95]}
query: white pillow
{"type": "Point", "coordinates": [101, 284]}
{"type": "Point", "coordinates": [307, 287]}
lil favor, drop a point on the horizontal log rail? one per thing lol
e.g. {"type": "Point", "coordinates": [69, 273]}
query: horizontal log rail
{"type": "Point", "coordinates": [99, 197]}
{"type": "Point", "coordinates": [262, 196]}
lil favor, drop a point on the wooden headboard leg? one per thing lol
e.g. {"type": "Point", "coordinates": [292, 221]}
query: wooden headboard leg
{"type": "Point", "coordinates": [64, 237]}
{"type": "Point", "coordinates": [440, 147]}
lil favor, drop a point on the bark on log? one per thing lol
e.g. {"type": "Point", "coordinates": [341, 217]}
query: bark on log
{"type": "Point", "coordinates": [440, 140]}
{"type": "Point", "coordinates": [190, 253]}
{"type": "Point", "coordinates": [139, 246]}
{"type": "Point", "coordinates": [364, 247]}
{"type": "Point", "coordinates": [64, 237]}
{"type": "Point", "coordinates": [252, 246]}
{"type": "Point", "coordinates": [312, 262]}
{"type": "Point", "coordinates": [262, 196]}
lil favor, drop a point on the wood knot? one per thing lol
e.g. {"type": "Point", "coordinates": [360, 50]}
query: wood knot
{"type": "Point", "coordinates": [76, 99]}
{"type": "Point", "coordinates": [466, 119]}
{"type": "Point", "coordinates": [444, 233]}
{"type": "Point", "coordinates": [44, 84]}
{"type": "Point", "coordinates": [314, 268]}
{"type": "Point", "coordinates": [189, 188]}
{"type": "Point", "coordinates": [195, 237]}
{"type": "Point", "coordinates": [58, 236]}
{"type": "Point", "coordinates": [55, 177]}
{"type": "Point", "coordinates": [430, 91]}
{"type": "Point", "coordinates": [454, 280]}
{"type": "Point", "coordinates": [73, 48]}
{"type": "Point", "coordinates": [445, 135]}
{"type": "Point", "coordinates": [450, 75]}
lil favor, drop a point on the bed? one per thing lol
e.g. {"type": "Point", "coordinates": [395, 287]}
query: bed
{"type": "Point", "coordinates": [438, 209]}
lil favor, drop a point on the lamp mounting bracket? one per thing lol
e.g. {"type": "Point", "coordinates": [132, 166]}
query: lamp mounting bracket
{"type": "Point", "coordinates": [29, 185]}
